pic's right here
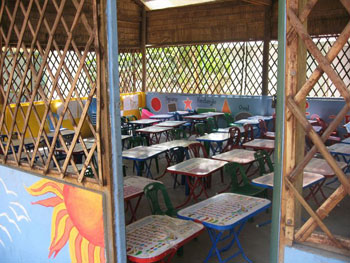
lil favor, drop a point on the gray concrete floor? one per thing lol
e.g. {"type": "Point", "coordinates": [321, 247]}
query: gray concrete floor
{"type": "Point", "coordinates": [255, 241]}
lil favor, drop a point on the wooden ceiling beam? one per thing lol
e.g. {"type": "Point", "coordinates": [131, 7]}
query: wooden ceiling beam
{"type": "Point", "coordinates": [259, 2]}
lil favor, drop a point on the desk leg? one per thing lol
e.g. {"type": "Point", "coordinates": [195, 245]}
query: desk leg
{"type": "Point", "coordinates": [217, 236]}
{"type": "Point", "coordinates": [148, 168]}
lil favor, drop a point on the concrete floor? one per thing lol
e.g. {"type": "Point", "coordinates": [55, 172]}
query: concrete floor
{"type": "Point", "coordinates": [255, 241]}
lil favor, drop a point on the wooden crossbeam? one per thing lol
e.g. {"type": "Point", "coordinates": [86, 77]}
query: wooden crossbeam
{"type": "Point", "coordinates": [259, 2]}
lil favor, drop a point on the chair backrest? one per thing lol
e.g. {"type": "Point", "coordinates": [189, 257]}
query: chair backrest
{"type": "Point", "coordinates": [177, 155]}
{"type": "Point", "coordinates": [234, 140]}
{"type": "Point", "coordinates": [153, 192]}
{"type": "Point", "coordinates": [248, 133]}
{"type": "Point", "coordinates": [210, 125]}
{"type": "Point", "coordinates": [262, 127]}
{"type": "Point", "coordinates": [138, 141]}
{"type": "Point", "coordinates": [229, 119]}
{"type": "Point", "coordinates": [263, 159]}
{"type": "Point", "coordinates": [200, 128]}
{"type": "Point", "coordinates": [131, 118]}
{"type": "Point", "coordinates": [197, 150]}
{"type": "Point", "coordinates": [204, 110]}
{"type": "Point", "coordinates": [233, 170]}
{"type": "Point", "coordinates": [178, 134]}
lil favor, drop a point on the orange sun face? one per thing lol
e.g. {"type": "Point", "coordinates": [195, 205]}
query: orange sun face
{"type": "Point", "coordinates": [77, 218]}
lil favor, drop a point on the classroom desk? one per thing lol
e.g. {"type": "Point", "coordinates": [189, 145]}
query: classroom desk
{"type": "Point", "coordinates": [154, 133]}
{"type": "Point", "coordinates": [310, 180]}
{"type": "Point", "coordinates": [240, 156]}
{"type": "Point", "coordinates": [217, 138]}
{"type": "Point", "coordinates": [261, 117]}
{"type": "Point", "coordinates": [66, 134]}
{"type": "Point", "coordinates": [173, 144]}
{"type": "Point", "coordinates": [171, 124]}
{"type": "Point", "coordinates": [196, 117]}
{"type": "Point", "coordinates": [198, 168]}
{"type": "Point", "coordinates": [222, 213]}
{"type": "Point", "coordinates": [155, 237]}
{"type": "Point", "coordinates": [213, 114]}
{"type": "Point", "coordinates": [162, 116]}
{"type": "Point", "coordinates": [260, 144]}
{"type": "Point", "coordinates": [320, 166]}
{"type": "Point", "coordinates": [143, 154]}
{"type": "Point", "coordinates": [143, 122]}
{"type": "Point", "coordinates": [341, 151]}
{"type": "Point", "coordinates": [133, 188]}
{"type": "Point", "coordinates": [227, 129]}
{"type": "Point", "coordinates": [78, 150]}
{"type": "Point", "coordinates": [247, 121]}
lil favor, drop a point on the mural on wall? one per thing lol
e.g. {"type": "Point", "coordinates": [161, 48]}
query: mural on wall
{"type": "Point", "coordinates": [77, 219]}
{"type": "Point", "coordinates": [13, 215]}
{"type": "Point", "coordinates": [226, 107]}
{"type": "Point", "coordinates": [156, 104]}
{"type": "Point", "coordinates": [188, 104]}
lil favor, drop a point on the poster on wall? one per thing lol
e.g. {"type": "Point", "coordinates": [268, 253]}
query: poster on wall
{"type": "Point", "coordinates": [131, 102]}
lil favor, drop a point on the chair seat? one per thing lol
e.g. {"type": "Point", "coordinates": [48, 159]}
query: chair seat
{"type": "Point", "coordinates": [269, 135]}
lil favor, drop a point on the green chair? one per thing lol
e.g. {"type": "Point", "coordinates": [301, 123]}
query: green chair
{"type": "Point", "coordinates": [245, 188]}
{"type": "Point", "coordinates": [211, 125]}
{"type": "Point", "coordinates": [263, 159]}
{"type": "Point", "coordinates": [153, 192]}
{"type": "Point", "coordinates": [178, 134]}
{"type": "Point", "coordinates": [229, 119]}
{"type": "Point", "coordinates": [200, 129]}
{"type": "Point", "coordinates": [204, 110]}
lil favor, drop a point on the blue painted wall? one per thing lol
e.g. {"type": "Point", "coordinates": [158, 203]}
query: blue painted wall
{"type": "Point", "coordinates": [302, 254]}
{"type": "Point", "coordinates": [256, 105]}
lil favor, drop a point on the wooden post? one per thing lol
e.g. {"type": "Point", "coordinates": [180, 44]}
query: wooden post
{"type": "Point", "coordinates": [267, 38]}
{"type": "Point", "coordinates": [294, 134]}
{"type": "Point", "coordinates": [143, 47]}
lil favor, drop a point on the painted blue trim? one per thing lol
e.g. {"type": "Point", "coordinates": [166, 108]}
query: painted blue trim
{"type": "Point", "coordinates": [116, 145]}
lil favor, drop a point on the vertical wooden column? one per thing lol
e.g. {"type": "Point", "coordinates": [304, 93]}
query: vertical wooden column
{"type": "Point", "coordinates": [143, 47]}
{"type": "Point", "coordinates": [294, 135]}
{"type": "Point", "coordinates": [267, 38]}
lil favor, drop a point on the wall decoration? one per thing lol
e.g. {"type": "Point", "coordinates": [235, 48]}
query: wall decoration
{"type": "Point", "coordinates": [131, 102]}
{"type": "Point", "coordinates": [188, 104]}
{"type": "Point", "coordinates": [226, 107]}
{"type": "Point", "coordinates": [77, 219]}
{"type": "Point", "coordinates": [13, 215]}
{"type": "Point", "coordinates": [156, 104]}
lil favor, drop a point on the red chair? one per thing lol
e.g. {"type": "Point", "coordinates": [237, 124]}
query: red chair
{"type": "Point", "coordinates": [264, 133]}
{"type": "Point", "coordinates": [248, 133]}
{"type": "Point", "coordinates": [197, 150]}
{"type": "Point", "coordinates": [234, 140]}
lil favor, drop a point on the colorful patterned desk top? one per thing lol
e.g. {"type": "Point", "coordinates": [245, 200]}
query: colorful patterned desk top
{"type": "Point", "coordinates": [224, 211]}
{"type": "Point", "coordinates": [260, 117]}
{"type": "Point", "coordinates": [197, 167]}
{"type": "Point", "coordinates": [241, 156]}
{"type": "Point", "coordinates": [339, 148]}
{"type": "Point", "coordinates": [321, 166]}
{"type": "Point", "coordinates": [144, 122]}
{"type": "Point", "coordinates": [172, 124]}
{"type": "Point", "coordinates": [258, 144]}
{"type": "Point", "coordinates": [141, 153]}
{"type": "Point", "coordinates": [152, 237]}
{"type": "Point", "coordinates": [248, 121]}
{"type": "Point", "coordinates": [134, 185]}
{"type": "Point", "coordinates": [196, 117]}
{"type": "Point", "coordinates": [161, 116]}
{"type": "Point", "coordinates": [214, 137]}
{"type": "Point", "coordinates": [226, 130]}
{"type": "Point", "coordinates": [154, 129]}
{"type": "Point", "coordinates": [213, 114]}
{"type": "Point", "coordinates": [173, 144]}
{"type": "Point", "coordinates": [266, 181]}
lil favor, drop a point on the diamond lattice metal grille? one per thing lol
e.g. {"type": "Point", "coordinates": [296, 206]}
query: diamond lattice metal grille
{"type": "Point", "coordinates": [56, 131]}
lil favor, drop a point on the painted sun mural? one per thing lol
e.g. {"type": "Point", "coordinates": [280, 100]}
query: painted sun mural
{"type": "Point", "coordinates": [77, 219]}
